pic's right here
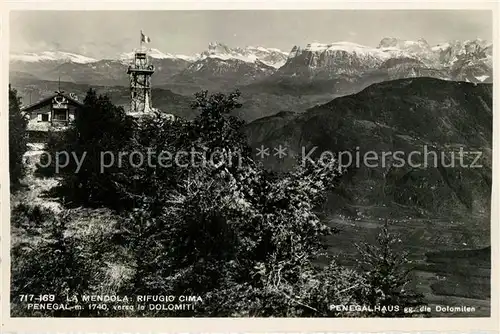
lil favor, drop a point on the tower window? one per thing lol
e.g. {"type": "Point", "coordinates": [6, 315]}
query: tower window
{"type": "Point", "coordinates": [134, 94]}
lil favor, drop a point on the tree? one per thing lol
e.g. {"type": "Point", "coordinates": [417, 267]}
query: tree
{"type": "Point", "coordinates": [17, 138]}
{"type": "Point", "coordinates": [99, 127]}
{"type": "Point", "coordinates": [227, 229]}
{"type": "Point", "coordinates": [214, 223]}
{"type": "Point", "coordinates": [386, 273]}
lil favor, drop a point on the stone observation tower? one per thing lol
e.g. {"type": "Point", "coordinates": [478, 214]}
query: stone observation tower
{"type": "Point", "coordinates": [140, 72]}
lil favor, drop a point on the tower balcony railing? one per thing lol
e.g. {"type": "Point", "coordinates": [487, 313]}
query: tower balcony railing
{"type": "Point", "coordinates": [141, 68]}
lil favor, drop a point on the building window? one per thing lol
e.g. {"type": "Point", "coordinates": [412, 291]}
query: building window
{"type": "Point", "coordinates": [43, 117]}
{"type": "Point", "coordinates": [60, 115]}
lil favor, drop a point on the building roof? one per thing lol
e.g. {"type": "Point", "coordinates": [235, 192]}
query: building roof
{"type": "Point", "coordinates": [48, 100]}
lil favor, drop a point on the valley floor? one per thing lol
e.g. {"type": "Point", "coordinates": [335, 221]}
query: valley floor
{"type": "Point", "coordinates": [451, 258]}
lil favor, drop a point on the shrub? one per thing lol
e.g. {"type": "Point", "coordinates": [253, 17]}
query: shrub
{"type": "Point", "coordinates": [241, 237]}
{"type": "Point", "coordinates": [99, 126]}
{"type": "Point", "coordinates": [17, 138]}
{"type": "Point", "coordinates": [49, 260]}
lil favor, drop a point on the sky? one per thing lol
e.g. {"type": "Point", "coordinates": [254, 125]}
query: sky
{"type": "Point", "coordinates": [105, 34]}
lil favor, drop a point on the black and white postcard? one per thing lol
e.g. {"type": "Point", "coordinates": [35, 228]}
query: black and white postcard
{"type": "Point", "coordinates": [261, 163]}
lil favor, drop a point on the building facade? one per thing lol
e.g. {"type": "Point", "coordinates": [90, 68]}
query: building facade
{"type": "Point", "coordinates": [52, 113]}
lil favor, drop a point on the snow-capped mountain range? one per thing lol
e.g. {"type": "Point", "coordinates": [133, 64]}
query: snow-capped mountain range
{"type": "Point", "coordinates": [393, 58]}
{"type": "Point", "coordinates": [250, 54]}
{"type": "Point", "coordinates": [270, 56]}
{"type": "Point", "coordinates": [345, 58]}
{"type": "Point", "coordinates": [57, 56]}
{"type": "Point", "coordinates": [156, 54]}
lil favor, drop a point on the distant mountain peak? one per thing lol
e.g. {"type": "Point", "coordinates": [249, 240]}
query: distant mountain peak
{"type": "Point", "coordinates": [268, 56]}
{"type": "Point", "coordinates": [217, 48]}
{"type": "Point", "coordinates": [342, 46]}
{"type": "Point", "coordinates": [392, 42]}
{"type": "Point", "coordinates": [52, 56]}
{"type": "Point", "coordinates": [155, 54]}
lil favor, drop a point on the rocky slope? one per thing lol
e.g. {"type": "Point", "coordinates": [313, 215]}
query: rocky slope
{"type": "Point", "coordinates": [103, 72]}
{"type": "Point", "coordinates": [269, 56]}
{"type": "Point", "coordinates": [221, 67]}
{"type": "Point", "coordinates": [402, 115]}
{"type": "Point", "coordinates": [392, 59]}
{"type": "Point", "coordinates": [216, 73]}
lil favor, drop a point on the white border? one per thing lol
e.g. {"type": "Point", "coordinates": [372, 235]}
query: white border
{"type": "Point", "coordinates": [240, 324]}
